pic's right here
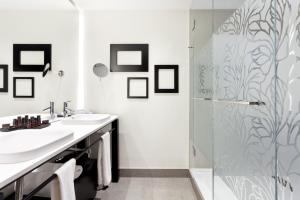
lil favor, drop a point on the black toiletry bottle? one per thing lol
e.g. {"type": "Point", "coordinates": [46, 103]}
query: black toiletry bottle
{"type": "Point", "coordinates": [15, 123]}
{"type": "Point", "coordinates": [26, 119]}
{"type": "Point", "coordinates": [19, 122]}
{"type": "Point", "coordinates": [23, 123]}
{"type": "Point", "coordinates": [39, 121]}
{"type": "Point", "coordinates": [29, 123]}
{"type": "Point", "coordinates": [32, 119]}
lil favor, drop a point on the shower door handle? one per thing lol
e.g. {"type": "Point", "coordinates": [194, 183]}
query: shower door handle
{"type": "Point", "coordinates": [251, 103]}
{"type": "Point", "coordinates": [257, 103]}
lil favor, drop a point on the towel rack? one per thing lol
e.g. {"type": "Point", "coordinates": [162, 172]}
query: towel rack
{"type": "Point", "coordinates": [54, 176]}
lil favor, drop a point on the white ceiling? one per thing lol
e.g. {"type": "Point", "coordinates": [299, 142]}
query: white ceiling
{"type": "Point", "coordinates": [217, 4]}
{"type": "Point", "coordinates": [135, 4]}
{"type": "Point", "coordinates": [118, 4]}
{"type": "Point", "coordinates": [35, 5]}
{"type": "Point", "coordinates": [158, 4]}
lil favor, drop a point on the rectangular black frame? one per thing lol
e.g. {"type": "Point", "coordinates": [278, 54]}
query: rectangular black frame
{"type": "Point", "coordinates": [5, 78]}
{"type": "Point", "coordinates": [18, 48]}
{"type": "Point", "coordinates": [114, 48]}
{"type": "Point", "coordinates": [128, 87]}
{"type": "Point", "coordinates": [176, 79]}
{"type": "Point", "coordinates": [15, 87]}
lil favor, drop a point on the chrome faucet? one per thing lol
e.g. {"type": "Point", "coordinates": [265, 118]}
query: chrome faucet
{"type": "Point", "coordinates": [67, 111]}
{"type": "Point", "coordinates": [51, 109]}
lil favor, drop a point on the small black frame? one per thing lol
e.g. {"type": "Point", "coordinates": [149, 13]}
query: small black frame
{"type": "Point", "coordinates": [128, 88]}
{"type": "Point", "coordinates": [18, 48]}
{"type": "Point", "coordinates": [15, 87]}
{"type": "Point", "coordinates": [115, 48]}
{"type": "Point", "coordinates": [176, 79]}
{"type": "Point", "coordinates": [5, 78]}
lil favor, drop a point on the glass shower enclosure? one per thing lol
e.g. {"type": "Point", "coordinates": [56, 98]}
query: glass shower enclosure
{"type": "Point", "coordinates": [245, 103]}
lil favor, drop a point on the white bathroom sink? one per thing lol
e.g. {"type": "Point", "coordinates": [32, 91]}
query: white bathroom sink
{"type": "Point", "coordinates": [24, 145]}
{"type": "Point", "coordinates": [85, 119]}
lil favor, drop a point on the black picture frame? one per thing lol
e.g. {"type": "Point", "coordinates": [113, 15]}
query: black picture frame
{"type": "Point", "coordinates": [18, 48]}
{"type": "Point", "coordinates": [115, 48]}
{"type": "Point", "coordinates": [129, 79]}
{"type": "Point", "coordinates": [15, 95]}
{"type": "Point", "coordinates": [176, 79]}
{"type": "Point", "coordinates": [5, 78]}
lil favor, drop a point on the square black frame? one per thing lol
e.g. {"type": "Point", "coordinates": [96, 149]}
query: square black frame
{"type": "Point", "coordinates": [176, 79]}
{"type": "Point", "coordinates": [18, 48]}
{"type": "Point", "coordinates": [5, 78]}
{"type": "Point", "coordinates": [15, 87]}
{"type": "Point", "coordinates": [128, 87]}
{"type": "Point", "coordinates": [114, 48]}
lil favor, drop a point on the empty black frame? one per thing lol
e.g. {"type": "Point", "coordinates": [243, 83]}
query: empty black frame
{"type": "Point", "coordinates": [5, 78]}
{"type": "Point", "coordinates": [115, 48]}
{"type": "Point", "coordinates": [128, 87]}
{"type": "Point", "coordinates": [18, 48]}
{"type": "Point", "coordinates": [15, 95]}
{"type": "Point", "coordinates": [176, 79]}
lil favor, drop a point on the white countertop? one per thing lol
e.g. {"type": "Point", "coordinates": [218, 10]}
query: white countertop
{"type": "Point", "coordinates": [11, 172]}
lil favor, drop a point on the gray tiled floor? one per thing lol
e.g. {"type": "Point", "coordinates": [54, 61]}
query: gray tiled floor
{"type": "Point", "coordinates": [149, 189]}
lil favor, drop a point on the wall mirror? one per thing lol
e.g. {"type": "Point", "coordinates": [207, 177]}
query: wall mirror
{"type": "Point", "coordinates": [100, 70]}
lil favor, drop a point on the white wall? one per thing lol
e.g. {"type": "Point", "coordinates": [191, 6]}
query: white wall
{"type": "Point", "coordinates": [60, 28]}
{"type": "Point", "coordinates": [153, 132]}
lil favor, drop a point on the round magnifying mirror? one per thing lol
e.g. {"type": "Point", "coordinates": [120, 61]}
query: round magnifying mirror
{"type": "Point", "coordinates": [100, 70]}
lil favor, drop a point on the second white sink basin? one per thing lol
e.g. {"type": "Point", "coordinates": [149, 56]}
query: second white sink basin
{"type": "Point", "coordinates": [24, 145]}
{"type": "Point", "coordinates": [85, 119]}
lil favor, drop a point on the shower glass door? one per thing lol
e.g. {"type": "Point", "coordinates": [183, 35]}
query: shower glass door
{"type": "Point", "coordinates": [244, 102]}
{"type": "Point", "coordinates": [287, 129]}
{"type": "Point", "coordinates": [245, 99]}
{"type": "Point", "coordinates": [201, 73]}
